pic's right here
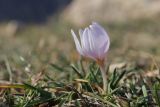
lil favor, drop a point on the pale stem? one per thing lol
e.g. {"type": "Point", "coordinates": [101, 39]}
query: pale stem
{"type": "Point", "coordinates": [104, 77]}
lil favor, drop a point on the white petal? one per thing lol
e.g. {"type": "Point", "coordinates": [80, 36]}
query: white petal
{"type": "Point", "coordinates": [82, 38]}
{"type": "Point", "coordinates": [79, 49]}
{"type": "Point", "coordinates": [92, 45]}
{"type": "Point", "coordinates": [85, 41]}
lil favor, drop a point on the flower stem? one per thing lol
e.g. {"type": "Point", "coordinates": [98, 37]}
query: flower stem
{"type": "Point", "coordinates": [104, 77]}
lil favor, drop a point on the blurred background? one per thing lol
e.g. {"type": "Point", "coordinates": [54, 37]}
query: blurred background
{"type": "Point", "coordinates": [34, 33]}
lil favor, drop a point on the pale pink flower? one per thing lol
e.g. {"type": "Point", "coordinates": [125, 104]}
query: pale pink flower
{"type": "Point", "coordinates": [94, 42]}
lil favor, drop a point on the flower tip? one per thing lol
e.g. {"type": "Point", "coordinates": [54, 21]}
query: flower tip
{"type": "Point", "coordinates": [72, 31]}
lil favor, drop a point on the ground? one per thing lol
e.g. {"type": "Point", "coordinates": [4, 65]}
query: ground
{"type": "Point", "coordinates": [39, 66]}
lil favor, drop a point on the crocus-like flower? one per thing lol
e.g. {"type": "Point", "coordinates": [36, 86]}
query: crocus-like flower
{"type": "Point", "coordinates": [94, 43]}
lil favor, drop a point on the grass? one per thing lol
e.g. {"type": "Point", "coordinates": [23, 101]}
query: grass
{"type": "Point", "coordinates": [40, 67]}
{"type": "Point", "coordinates": [128, 86]}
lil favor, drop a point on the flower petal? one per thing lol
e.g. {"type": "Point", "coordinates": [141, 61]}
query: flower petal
{"type": "Point", "coordinates": [101, 40]}
{"type": "Point", "coordinates": [92, 45]}
{"type": "Point", "coordinates": [86, 44]}
{"type": "Point", "coordinates": [79, 49]}
{"type": "Point", "coordinates": [80, 32]}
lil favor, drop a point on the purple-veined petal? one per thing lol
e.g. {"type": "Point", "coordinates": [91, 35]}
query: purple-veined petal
{"type": "Point", "coordinates": [99, 30]}
{"type": "Point", "coordinates": [101, 40]}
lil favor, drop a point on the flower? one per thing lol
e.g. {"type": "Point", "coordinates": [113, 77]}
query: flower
{"type": "Point", "coordinates": [94, 42]}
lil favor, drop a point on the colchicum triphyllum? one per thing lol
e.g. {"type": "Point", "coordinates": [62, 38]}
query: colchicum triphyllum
{"type": "Point", "coordinates": [94, 43]}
